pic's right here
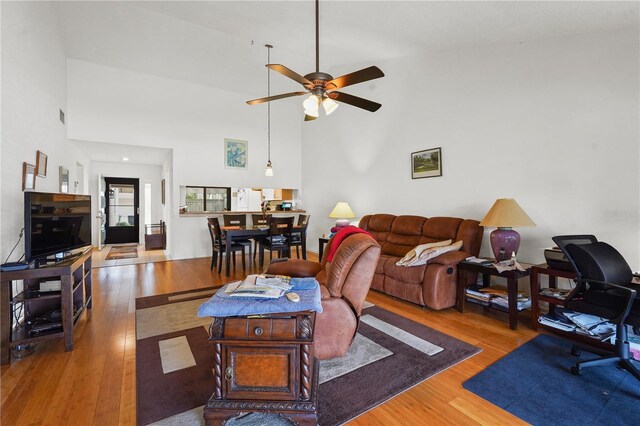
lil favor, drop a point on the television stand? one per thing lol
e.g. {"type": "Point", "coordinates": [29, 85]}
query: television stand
{"type": "Point", "coordinates": [73, 299]}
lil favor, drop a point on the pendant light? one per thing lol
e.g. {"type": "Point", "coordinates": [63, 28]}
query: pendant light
{"type": "Point", "coordinates": [269, 169]}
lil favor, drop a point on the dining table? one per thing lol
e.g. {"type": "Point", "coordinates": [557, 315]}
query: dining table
{"type": "Point", "coordinates": [250, 231]}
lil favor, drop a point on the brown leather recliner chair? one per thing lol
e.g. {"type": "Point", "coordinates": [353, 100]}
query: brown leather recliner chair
{"type": "Point", "coordinates": [344, 284]}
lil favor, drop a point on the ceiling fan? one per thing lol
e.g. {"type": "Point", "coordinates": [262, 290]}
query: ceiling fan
{"type": "Point", "coordinates": [323, 87]}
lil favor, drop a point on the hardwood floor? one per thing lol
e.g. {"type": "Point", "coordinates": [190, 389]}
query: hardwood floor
{"type": "Point", "coordinates": [96, 382]}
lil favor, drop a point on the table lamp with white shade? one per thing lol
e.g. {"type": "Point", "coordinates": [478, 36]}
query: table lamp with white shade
{"type": "Point", "coordinates": [504, 215]}
{"type": "Point", "coordinates": [343, 213]}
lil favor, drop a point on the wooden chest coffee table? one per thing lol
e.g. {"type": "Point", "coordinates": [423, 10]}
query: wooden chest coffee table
{"type": "Point", "coordinates": [264, 363]}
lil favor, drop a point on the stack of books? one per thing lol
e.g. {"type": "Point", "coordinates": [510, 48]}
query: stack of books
{"type": "Point", "coordinates": [502, 302]}
{"type": "Point", "coordinates": [478, 297]}
{"type": "Point", "coordinates": [558, 293]}
{"type": "Point", "coordinates": [557, 320]}
{"type": "Point", "coordinates": [484, 295]}
{"type": "Point", "coordinates": [260, 286]}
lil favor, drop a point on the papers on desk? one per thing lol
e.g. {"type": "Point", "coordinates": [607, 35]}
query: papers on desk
{"type": "Point", "coordinates": [508, 265]}
{"type": "Point", "coordinates": [260, 286]}
{"type": "Point", "coordinates": [478, 260]}
{"type": "Point", "coordinates": [585, 324]}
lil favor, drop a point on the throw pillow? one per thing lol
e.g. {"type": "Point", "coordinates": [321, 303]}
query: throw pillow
{"type": "Point", "coordinates": [415, 252]}
{"type": "Point", "coordinates": [434, 252]}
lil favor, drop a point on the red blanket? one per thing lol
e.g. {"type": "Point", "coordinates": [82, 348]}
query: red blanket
{"type": "Point", "coordinates": [340, 236]}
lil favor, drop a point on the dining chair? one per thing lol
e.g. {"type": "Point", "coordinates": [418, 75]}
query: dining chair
{"type": "Point", "coordinates": [218, 245]}
{"type": "Point", "coordinates": [258, 220]}
{"type": "Point", "coordinates": [298, 234]}
{"type": "Point", "coordinates": [278, 238]}
{"type": "Point", "coordinates": [239, 220]}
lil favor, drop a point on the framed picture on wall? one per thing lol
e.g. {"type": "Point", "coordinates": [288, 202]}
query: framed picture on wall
{"type": "Point", "coordinates": [162, 189]}
{"type": "Point", "coordinates": [41, 164]}
{"type": "Point", "coordinates": [236, 154]}
{"type": "Point", "coordinates": [64, 180]}
{"type": "Point", "coordinates": [427, 163]}
{"type": "Point", "coordinates": [28, 177]}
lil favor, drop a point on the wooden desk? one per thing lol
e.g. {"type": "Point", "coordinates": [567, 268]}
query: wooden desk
{"type": "Point", "coordinates": [487, 270]}
{"type": "Point", "coordinates": [536, 297]}
{"type": "Point", "coordinates": [246, 232]}
{"type": "Point", "coordinates": [72, 300]}
{"type": "Point", "coordinates": [264, 363]}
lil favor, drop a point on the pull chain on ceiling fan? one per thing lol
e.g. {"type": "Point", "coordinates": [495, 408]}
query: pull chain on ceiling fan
{"type": "Point", "coordinates": [323, 87]}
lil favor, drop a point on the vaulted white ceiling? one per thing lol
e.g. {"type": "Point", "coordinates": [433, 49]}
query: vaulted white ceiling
{"type": "Point", "coordinates": [221, 43]}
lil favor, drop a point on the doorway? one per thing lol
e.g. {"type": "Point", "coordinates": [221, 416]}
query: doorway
{"type": "Point", "coordinates": [122, 210]}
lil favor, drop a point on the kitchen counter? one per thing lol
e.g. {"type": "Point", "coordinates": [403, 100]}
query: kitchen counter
{"type": "Point", "coordinates": [207, 214]}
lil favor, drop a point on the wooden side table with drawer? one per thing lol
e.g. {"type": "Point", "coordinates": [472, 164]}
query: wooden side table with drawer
{"type": "Point", "coordinates": [264, 363]}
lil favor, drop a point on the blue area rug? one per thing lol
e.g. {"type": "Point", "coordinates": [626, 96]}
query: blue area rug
{"type": "Point", "coordinates": [534, 383]}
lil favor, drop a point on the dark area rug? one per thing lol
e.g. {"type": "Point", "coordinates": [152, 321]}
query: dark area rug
{"type": "Point", "coordinates": [534, 382]}
{"type": "Point", "coordinates": [122, 252]}
{"type": "Point", "coordinates": [402, 366]}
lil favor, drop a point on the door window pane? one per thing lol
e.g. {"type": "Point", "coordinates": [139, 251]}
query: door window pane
{"type": "Point", "coordinates": [121, 205]}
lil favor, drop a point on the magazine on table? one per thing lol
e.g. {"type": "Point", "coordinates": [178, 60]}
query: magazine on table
{"type": "Point", "coordinates": [260, 286]}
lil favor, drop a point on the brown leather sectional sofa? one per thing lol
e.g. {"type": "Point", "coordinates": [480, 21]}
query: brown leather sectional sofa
{"type": "Point", "coordinates": [434, 284]}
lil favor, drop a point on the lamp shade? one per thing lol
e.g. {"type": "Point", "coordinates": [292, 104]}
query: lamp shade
{"type": "Point", "coordinates": [506, 213]}
{"type": "Point", "coordinates": [342, 211]}
{"type": "Point", "coordinates": [311, 106]}
{"type": "Point", "coordinates": [329, 105]}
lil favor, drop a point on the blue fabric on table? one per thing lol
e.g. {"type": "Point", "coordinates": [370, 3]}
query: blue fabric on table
{"type": "Point", "coordinates": [223, 305]}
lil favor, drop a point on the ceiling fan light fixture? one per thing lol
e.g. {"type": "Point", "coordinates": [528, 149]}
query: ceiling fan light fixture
{"type": "Point", "coordinates": [329, 105]}
{"type": "Point", "coordinates": [312, 106]}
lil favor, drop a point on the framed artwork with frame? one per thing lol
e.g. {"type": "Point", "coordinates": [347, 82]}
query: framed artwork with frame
{"type": "Point", "coordinates": [28, 177]}
{"type": "Point", "coordinates": [426, 164]}
{"type": "Point", "coordinates": [162, 190]}
{"type": "Point", "coordinates": [41, 164]}
{"type": "Point", "coordinates": [236, 154]}
{"type": "Point", "coordinates": [64, 180]}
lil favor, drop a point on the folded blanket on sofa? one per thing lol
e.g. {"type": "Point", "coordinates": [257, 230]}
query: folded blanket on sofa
{"type": "Point", "coordinates": [430, 253]}
{"type": "Point", "coordinates": [415, 252]}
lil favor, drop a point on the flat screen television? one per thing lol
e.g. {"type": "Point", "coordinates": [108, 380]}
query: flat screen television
{"type": "Point", "coordinates": [55, 224]}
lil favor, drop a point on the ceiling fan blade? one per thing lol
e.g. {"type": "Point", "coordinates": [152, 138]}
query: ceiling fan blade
{"type": "Point", "coordinates": [289, 73]}
{"type": "Point", "coordinates": [355, 101]}
{"type": "Point", "coordinates": [355, 77]}
{"type": "Point", "coordinates": [275, 97]}
{"type": "Point", "coordinates": [309, 117]}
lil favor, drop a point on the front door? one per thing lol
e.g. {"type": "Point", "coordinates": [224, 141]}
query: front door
{"type": "Point", "coordinates": [122, 211]}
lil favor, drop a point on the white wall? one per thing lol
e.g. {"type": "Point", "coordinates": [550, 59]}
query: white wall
{"type": "Point", "coordinates": [552, 123]}
{"type": "Point", "coordinates": [145, 173]}
{"type": "Point", "coordinates": [123, 107]}
{"type": "Point", "coordinates": [33, 92]}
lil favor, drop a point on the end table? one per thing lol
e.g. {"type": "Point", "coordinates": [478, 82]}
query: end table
{"type": "Point", "coordinates": [264, 363]}
{"type": "Point", "coordinates": [487, 271]}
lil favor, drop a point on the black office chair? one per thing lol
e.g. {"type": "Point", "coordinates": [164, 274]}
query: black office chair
{"type": "Point", "coordinates": [278, 238]}
{"type": "Point", "coordinates": [603, 288]}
